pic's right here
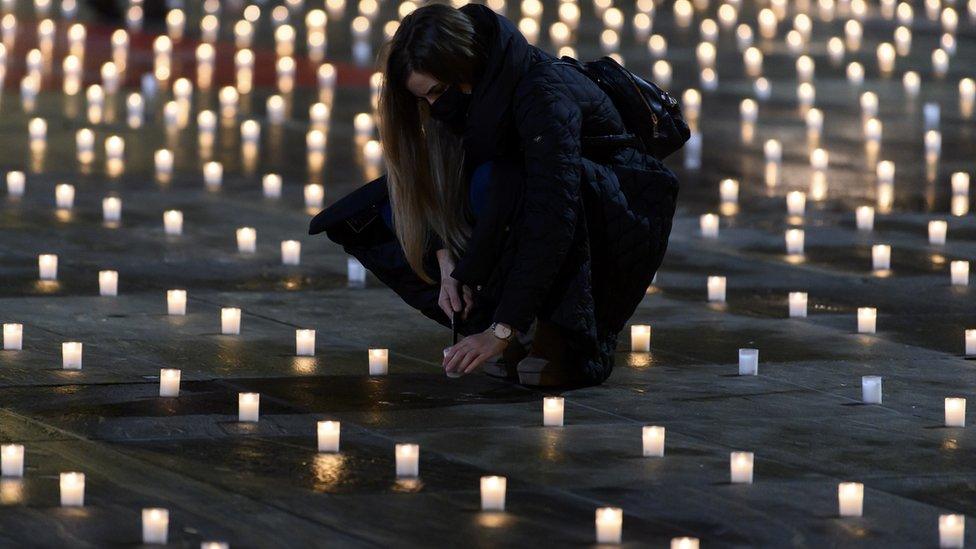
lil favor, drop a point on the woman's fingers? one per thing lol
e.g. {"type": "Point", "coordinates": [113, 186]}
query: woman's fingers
{"type": "Point", "coordinates": [472, 361]}
{"type": "Point", "coordinates": [452, 292]}
{"type": "Point", "coordinates": [457, 358]}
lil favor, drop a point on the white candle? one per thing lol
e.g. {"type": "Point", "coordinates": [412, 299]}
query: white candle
{"type": "Point", "coordinates": [13, 337]}
{"type": "Point", "coordinates": [850, 499]}
{"type": "Point", "coordinates": [748, 362]}
{"type": "Point", "coordinates": [16, 182]}
{"type": "Point", "coordinates": [959, 182]}
{"type": "Point", "coordinates": [305, 342]}
{"type": "Point", "coordinates": [314, 195]}
{"type": "Point", "coordinates": [246, 240]}
{"type": "Point", "coordinates": [493, 493]}
{"type": "Point", "coordinates": [12, 460]}
{"type": "Point", "coordinates": [355, 273]}
{"type": "Point", "coordinates": [275, 107]}
{"type": "Point", "coordinates": [291, 252]}
{"type": "Point", "coordinates": [72, 489]}
{"type": "Point", "coordinates": [864, 216]}
{"type": "Point", "coordinates": [796, 203]}
{"type": "Point", "coordinates": [230, 321]}
{"type": "Point", "coordinates": [114, 148]}
{"type": "Point", "coordinates": [47, 266]}
{"type": "Point", "coordinates": [328, 436]}
{"type": "Point", "coordinates": [773, 151]}
{"type": "Point", "coordinates": [213, 174]}
{"type": "Point", "coordinates": [37, 130]}
{"type": "Point", "coordinates": [108, 283]}
{"type": "Point", "coordinates": [952, 531]}
{"type": "Point", "coordinates": [609, 523]}
{"type": "Point", "coordinates": [729, 191]}
{"type": "Point", "coordinates": [798, 304]}
{"type": "Point", "coordinates": [248, 407]}
{"type": "Point", "coordinates": [155, 525]}
{"type": "Point", "coordinates": [71, 355]}
{"type": "Point", "coordinates": [716, 289]}
{"type": "Point", "coordinates": [955, 412]}
{"type": "Point", "coordinates": [867, 318]}
{"type": "Point", "coordinates": [176, 302]}
{"type": "Point", "coordinates": [685, 542]}
{"type": "Point", "coordinates": [881, 257]}
{"type": "Point", "coordinates": [794, 241]}
{"type": "Point", "coordinates": [871, 389]}
{"type": "Point", "coordinates": [169, 382]}
{"type": "Point", "coordinates": [378, 361]}
{"type": "Point", "coordinates": [271, 185]}
{"type": "Point", "coordinates": [111, 209]}
{"type": "Point", "coordinates": [250, 131]}
{"type": "Point", "coordinates": [407, 460]}
{"type": "Point", "coordinates": [937, 232]}
{"type": "Point", "coordinates": [640, 338]}
{"type": "Point", "coordinates": [709, 225]}
{"type": "Point", "coordinates": [933, 143]}
{"type": "Point", "coordinates": [163, 160]}
{"type": "Point", "coordinates": [740, 466]}
{"type": "Point", "coordinates": [959, 272]}
{"type": "Point", "coordinates": [173, 222]}
{"type": "Point", "coordinates": [971, 342]}
{"type": "Point", "coordinates": [552, 411]}
{"type": "Point", "coordinates": [819, 159]}
{"type": "Point", "coordinates": [653, 439]}
{"type": "Point", "coordinates": [64, 196]}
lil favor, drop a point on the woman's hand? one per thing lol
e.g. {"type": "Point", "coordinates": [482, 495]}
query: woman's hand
{"type": "Point", "coordinates": [471, 352]}
{"type": "Point", "coordinates": [453, 297]}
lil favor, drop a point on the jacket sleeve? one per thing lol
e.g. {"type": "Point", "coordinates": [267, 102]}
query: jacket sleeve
{"type": "Point", "coordinates": [549, 123]}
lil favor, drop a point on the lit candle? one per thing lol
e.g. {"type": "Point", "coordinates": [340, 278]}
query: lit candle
{"type": "Point", "coordinates": [16, 182]}
{"type": "Point", "coordinates": [716, 289]}
{"type": "Point", "coordinates": [748, 362]}
{"type": "Point", "coordinates": [685, 542]}
{"type": "Point", "coordinates": [709, 225]}
{"type": "Point", "coordinates": [960, 183]}
{"type": "Point", "coordinates": [819, 159]}
{"type": "Point", "coordinates": [328, 436]}
{"type": "Point", "coordinates": [355, 273]}
{"type": "Point", "coordinates": [866, 320]}
{"type": "Point", "coordinates": [794, 241]}
{"type": "Point", "coordinates": [748, 111]}
{"type": "Point", "coordinates": [640, 338]}
{"type": "Point", "coordinates": [155, 526]}
{"type": "Point", "coordinates": [248, 407]}
{"type": "Point", "coordinates": [798, 304]}
{"type": "Point", "coordinates": [72, 489]}
{"type": "Point", "coordinates": [959, 272]}
{"type": "Point", "coordinates": [796, 203]}
{"type": "Point", "coordinates": [773, 151]}
{"type": "Point", "coordinates": [653, 439]}
{"type": "Point", "coordinates": [114, 147]}
{"type": "Point", "coordinates": [246, 240]}
{"type": "Point", "coordinates": [314, 196]}
{"type": "Point", "coordinates": [609, 523]}
{"type": "Point", "coordinates": [213, 173]}
{"type": "Point", "coordinates": [71, 355]}
{"type": "Point", "coordinates": [163, 160]}
{"type": "Point", "coordinates": [955, 412]}
{"type": "Point", "coordinates": [552, 411]}
{"type": "Point", "coordinates": [37, 130]}
{"type": "Point", "coordinates": [12, 460]}
{"type": "Point", "coordinates": [952, 531]}
{"type": "Point", "coordinates": [271, 186]}
{"type": "Point", "coordinates": [250, 131]}
{"type": "Point", "coordinates": [112, 209]}
{"type": "Point", "coordinates": [230, 321]}
{"type": "Point", "coordinates": [291, 252]}
{"type": "Point", "coordinates": [850, 499]}
{"type": "Point", "coordinates": [937, 232]}
{"type": "Point", "coordinates": [64, 196]}
{"type": "Point", "coordinates": [740, 466]}
{"type": "Point", "coordinates": [305, 342]}
{"type": "Point", "coordinates": [912, 83]}
{"type": "Point", "coordinates": [407, 460]}
{"type": "Point", "coordinates": [176, 302]}
{"type": "Point", "coordinates": [881, 257]}
{"type": "Point", "coordinates": [729, 190]}
{"type": "Point", "coordinates": [871, 389]}
{"type": "Point", "coordinates": [13, 337]}
{"type": "Point", "coordinates": [378, 361]}
{"type": "Point", "coordinates": [864, 216]}
{"type": "Point", "coordinates": [933, 143]}
{"type": "Point", "coordinates": [214, 545]}
{"type": "Point", "coordinates": [971, 342]}
{"type": "Point", "coordinates": [169, 382]}
{"type": "Point", "coordinates": [173, 222]}
{"type": "Point", "coordinates": [108, 283]}
{"type": "Point", "coordinates": [493, 493]}
{"type": "Point", "coordinates": [47, 266]}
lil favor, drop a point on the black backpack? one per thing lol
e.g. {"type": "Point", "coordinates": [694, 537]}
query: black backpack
{"type": "Point", "coordinates": [649, 113]}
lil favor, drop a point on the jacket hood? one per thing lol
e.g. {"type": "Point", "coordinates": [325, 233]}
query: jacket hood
{"type": "Point", "coordinates": [507, 58]}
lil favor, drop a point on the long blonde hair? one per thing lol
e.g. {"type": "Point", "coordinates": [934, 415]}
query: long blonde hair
{"type": "Point", "coordinates": [424, 159]}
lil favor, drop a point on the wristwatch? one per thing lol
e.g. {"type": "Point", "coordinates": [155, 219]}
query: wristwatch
{"type": "Point", "coordinates": [501, 331]}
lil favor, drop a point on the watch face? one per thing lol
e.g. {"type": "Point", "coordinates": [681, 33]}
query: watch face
{"type": "Point", "coordinates": [502, 332]}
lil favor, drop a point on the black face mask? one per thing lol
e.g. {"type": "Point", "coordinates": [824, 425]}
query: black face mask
{"type": "Point", "coordinates": [451, 108]}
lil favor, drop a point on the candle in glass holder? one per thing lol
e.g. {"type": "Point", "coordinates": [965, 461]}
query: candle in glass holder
{"type": "Point", "coordinates": [328, 436]}
{"type": "Point", "coordinates": [108, 283]}
{"type": "Point", "coordinates": [155, 526]}
{"type": "Point", "coordinates": [729, 191]}
{"type": "Point", "coordinates": [37, 130]}
{"type": "Point", "coordinates": [213, 174]}
{"type": "Point", "coordinates": [378, 361]}
{"type": "Point", "coordinates": [959, 182]}
{"type": "Point", "coordinates": [173, 222]}
{"type": "Point", "coordinates": [72, 489]}
{"type": "Point", "coordinates": [798, 304]}
{"type": "Point", "coordinates": [796, 203]}
{"type": "Point", "coordinates": [794, 241]}
{"type": "Point", "coordinates": [685, 542]}
{"type": "Point", "coordinates": [407, 460]}
{"type": "Point", "coordinates": [867, 320]}
{"type": "Point", "coordinates": [740, 466]}
{"type": "Point", "coordinates": [314, 196]}
{"type": "Point", "coordinates": [47, 266]}
{"type": "Point", "coordinates": [609, 525]}
{"type": "Point", "coordinates": [246, 240]}
{"type": "Point", "coordinates": [112, 209]}
{"type": "Point", "coordinates": [64, 196]}
{"type": "Point", "coordinates": [716, 289]}
{"type": "Point", "coordinates": [71, 355]}
{"type": "Point", "coordinates": [250, 132]}
{"type": "Point", "coordinates": [871, 389]}
{"type": "Point", "coordinates": [864, 215]}
{"type": "Point", "coordinates": [176, 302]}
{"type": "Point", "coordinates": [640, 338]}
{"type": "Point", "coordinates": [305, 342]}
{"type": "Point", "coordinates": [12, 460]}
{"type": "Point", "coordinates": [653, 439]}
{"type": "Point", "coordinates": [230, 321]}
{"type": "Point", "coordinates": [291, 252]}
{"type": "Point", "coordinates": [248, 407]}
{"type": "Point", "coordinates": [937, 232]}
{"type": "Point", "coordinates": [16, 183]}
{"type": "Point", "coordinates": [881, 257]}
{"type": "Point", "coordinates": [709, 225]}
{"type": "Point", "coordinates": [971, 342]}
{"type": "Point", "coordinates": [748, 362]}
{"type": "Point", "coordinates": [952, 531]}
{"type": "Point", "coordinates": [13, 337]}
{"type": "Point", "coordinates": [850, 499]}
{"type": "Point", "coordinates": [114, 148]}
{"type": "Point", "coordinates": [959, 272]}
{"type": "Point", "coordinates": [169, 382]}
{"type": "Point", "coordinates": [552, 411]}
{"type": "Point", "coordinates": [955, 412]}
{"type": "Point", "coordinates": [271, 185]}
{"type": "Point", "coordinates": [493, 493]}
